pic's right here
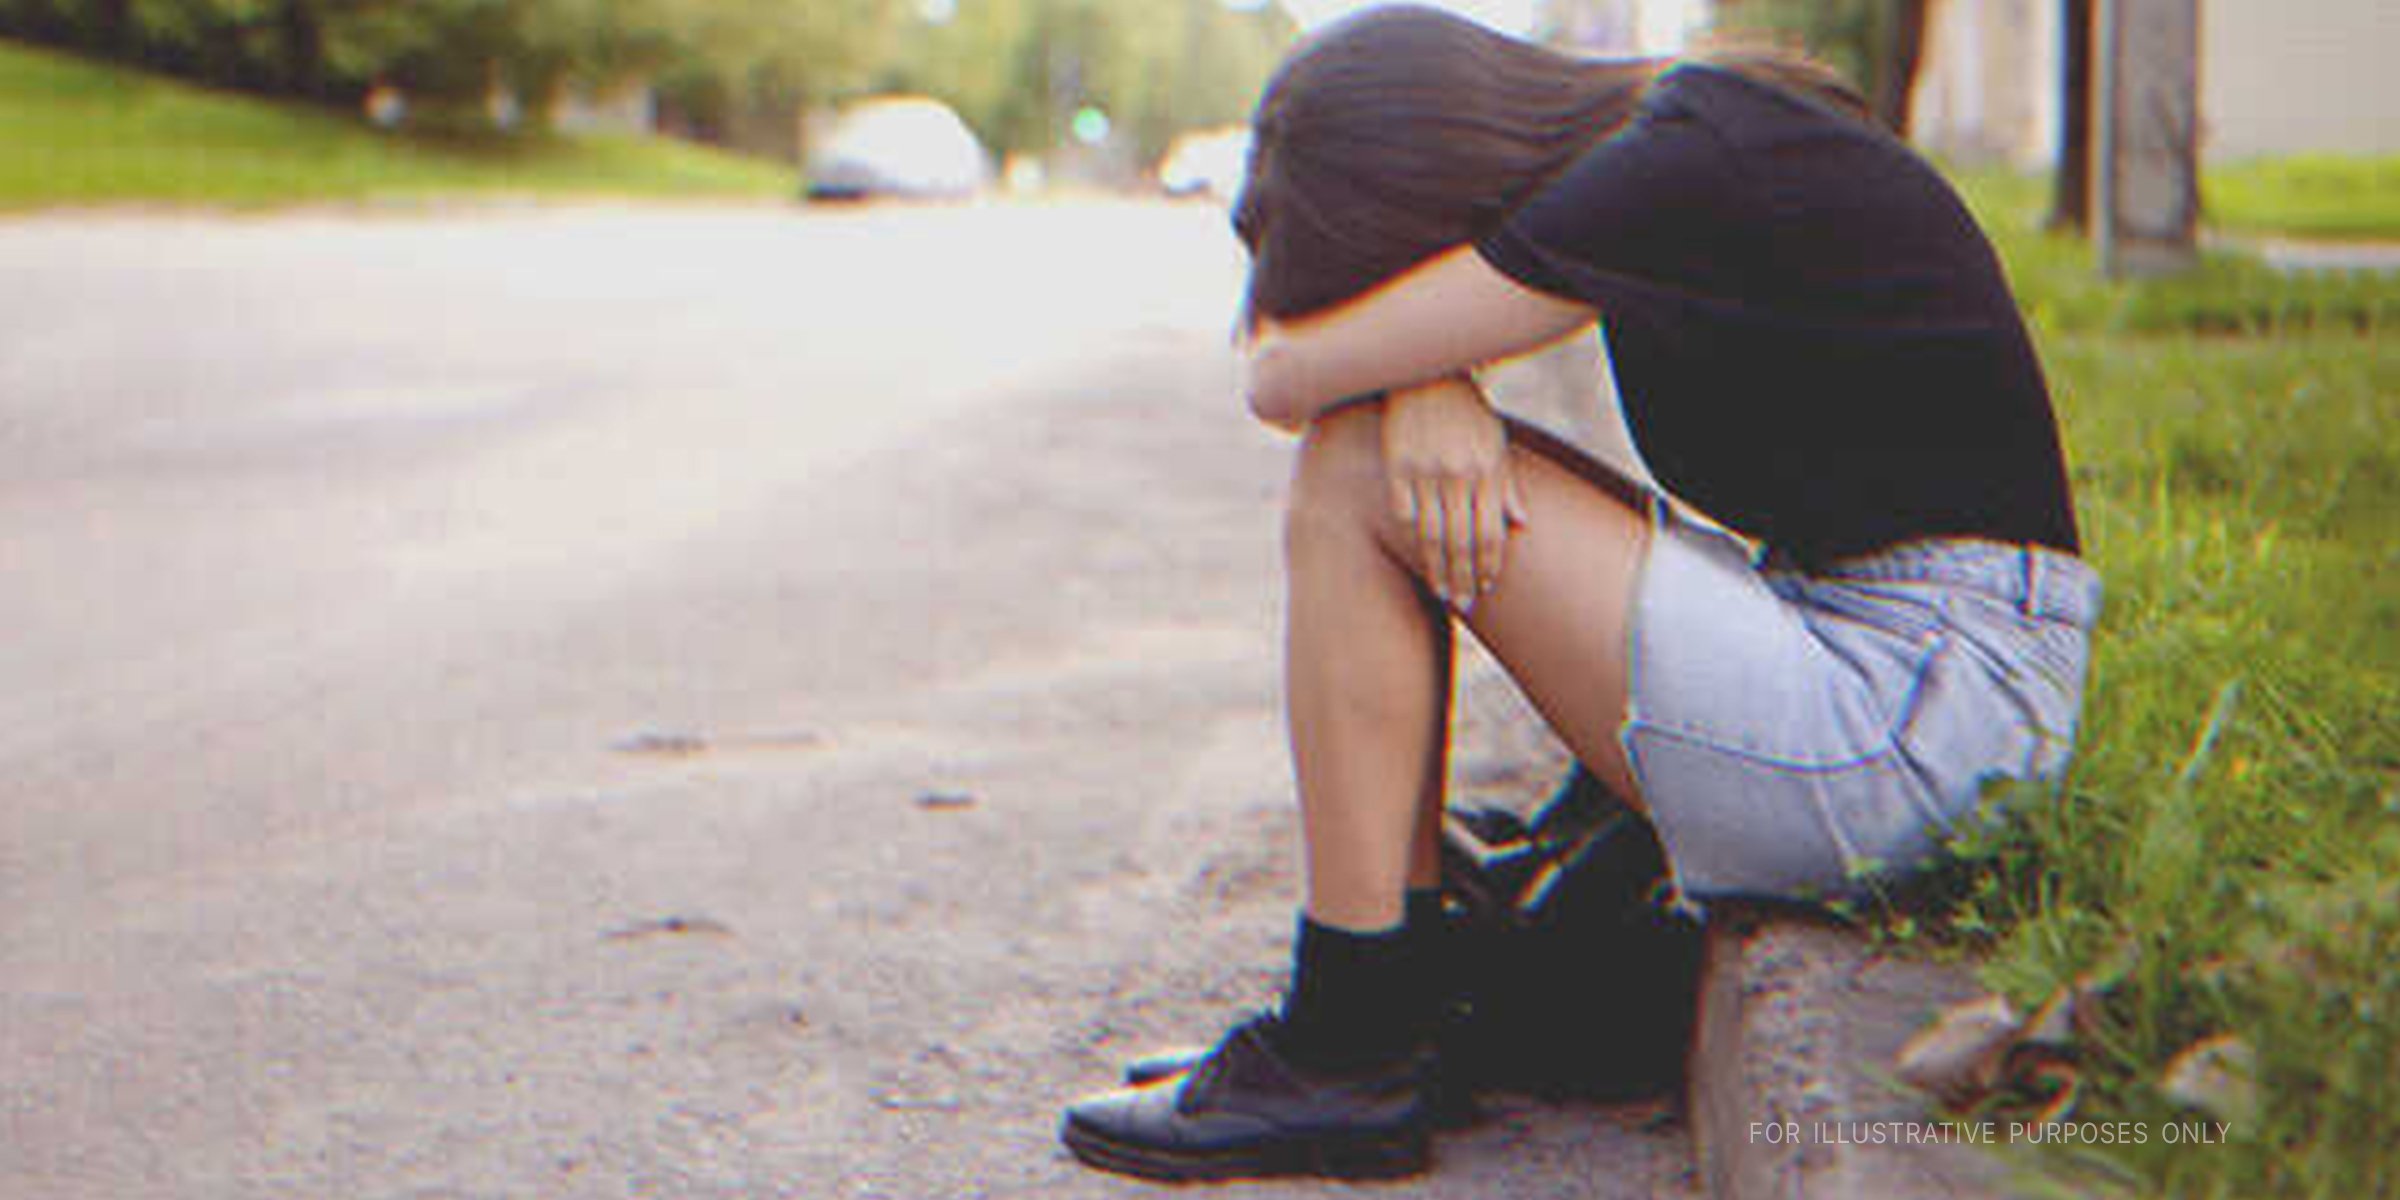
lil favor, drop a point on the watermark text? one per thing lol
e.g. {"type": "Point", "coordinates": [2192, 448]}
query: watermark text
{"type": "Point", "coordinates": [1991, 1133]}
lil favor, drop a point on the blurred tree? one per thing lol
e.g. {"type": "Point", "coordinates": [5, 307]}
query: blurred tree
{"type": "Point", "coordinates": [104, 27]}
{"type": "Point", "coordinates": [303, 39]}
{"type": "Point", "coordinates": [1877, 43]}
{"type": "Point", "coordinates": [43, 21]}
{"type": "Point", "coordinates": [733, 71]}
{"type": "Point", "coordinates": [1204, 67]}
{"type": "Point", "coordinates": [112, 23]}
{"type": "Point", "coordinates": [1899, 48]}
{"type": "Point", "coordinates": [742, 72]}
{"type": "Point", "coordinates": [1018, 70]}
{"type": "Point", "coordinates": [2071, 195]}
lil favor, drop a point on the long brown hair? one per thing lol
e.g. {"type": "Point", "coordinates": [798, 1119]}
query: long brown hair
{"type": "Point", "coordinates": [1402, 131]}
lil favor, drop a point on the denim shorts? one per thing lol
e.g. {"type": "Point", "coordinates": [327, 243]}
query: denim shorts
{"type": "Point", "coordinates": [1797, 735]}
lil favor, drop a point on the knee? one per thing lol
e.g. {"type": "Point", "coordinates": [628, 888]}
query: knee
{"type": "Point", "coordinates": [1337, 480]}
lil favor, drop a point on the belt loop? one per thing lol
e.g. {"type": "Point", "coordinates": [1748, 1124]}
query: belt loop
{"type": "Point", "coordinates": [2031, 605]}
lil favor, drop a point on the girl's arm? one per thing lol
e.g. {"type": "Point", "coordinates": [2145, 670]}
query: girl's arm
{"type": "Point", "coordinates": [1451, 313]}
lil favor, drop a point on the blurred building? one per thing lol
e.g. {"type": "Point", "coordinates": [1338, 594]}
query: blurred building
{"type": "Point", "coordinates": [1988, 86]}
{"type": "Point", "coordinates": [1596, 26]}
{"type": "Point", "coordinates": [1621, 26]}
{"type": "Point", "coordinates": [2276, 77]}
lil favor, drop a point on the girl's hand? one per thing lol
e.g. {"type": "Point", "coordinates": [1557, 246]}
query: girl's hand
{"type": "Point", "coordinates": [1446, 454]}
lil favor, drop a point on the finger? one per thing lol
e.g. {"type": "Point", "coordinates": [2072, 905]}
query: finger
{"type": "Point", "coordinates": [1458, 536]}
{"type": "Point", "coordinates": [1428, 524]}
{"type": "Point", "coordinates": [1519, 512]}
{"type": "Point", "coordinates": [1491, 533]}
{"type": "Point", "coordinates": [1404, 501]}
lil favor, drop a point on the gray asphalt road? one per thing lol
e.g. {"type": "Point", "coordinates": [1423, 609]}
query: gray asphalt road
{"type": "Point", "coordinates": [615, 703]}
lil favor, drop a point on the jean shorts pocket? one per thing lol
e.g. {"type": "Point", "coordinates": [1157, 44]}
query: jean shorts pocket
{"type": "Point", "coordinates": [1738, 824]}
{"type": "Point", "coordinates": [2029, 651]}
{"type": "Point", "coordinates": [2057, 656]}
{"type": "Point", "coordinates": [1975, 722]}
{"type": "Point", "coordinates": [1897, 609]}
{"type": "Point", "coordinates": [1792, 732]}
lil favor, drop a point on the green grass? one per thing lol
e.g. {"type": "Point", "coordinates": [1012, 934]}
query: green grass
{"type": "Point", "coordinates": [79, 133]}
{"type": "Point", "coordinates": [2307, 196]}
{"type": "Point", "coordinates": [2228, 848]}
{"type": "Point", "coordinates": [2230, 293]}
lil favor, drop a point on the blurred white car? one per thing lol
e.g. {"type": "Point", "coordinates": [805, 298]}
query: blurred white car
{"type": "Point", "coordinates": [1209, 162]}
{"type": "Point", "coordinates": [906, 146]}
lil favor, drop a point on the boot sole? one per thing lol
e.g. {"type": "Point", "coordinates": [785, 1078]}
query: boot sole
{"type": "Point", "coordinates": [1449, 1109]}
{"type": "Point", "coordinates": [1384, 1154]}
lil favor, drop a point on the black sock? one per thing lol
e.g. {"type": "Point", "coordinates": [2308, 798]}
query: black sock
{"type": "Point", "coordinates": [1428, 930]}
{"type": "Point", "coordinates": [1349, 1004]}
{"type": "Point", "coordinates": [1424, 916]}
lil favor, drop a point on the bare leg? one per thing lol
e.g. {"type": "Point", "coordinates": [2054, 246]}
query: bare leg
{"type": "Point", "coordinates": [1368, 664]}
{"type": "Point", "coordinates": [1368, 657]}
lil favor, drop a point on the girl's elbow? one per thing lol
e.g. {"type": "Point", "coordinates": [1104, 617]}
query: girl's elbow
{"type": "Point", "coordinates": [1270, 386]}
{"type": "Point", "coordinates": [1271, 407]}
{"type": "Point", "coordinates": [1260, 389]}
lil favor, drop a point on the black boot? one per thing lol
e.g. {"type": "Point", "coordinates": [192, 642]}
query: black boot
{"type": "Point", "coordinates": [1249, 1111]}
{"type": "Point", "coordinates": [1430, 986]}
{"type": "Point", "coordinates": [1334, 1085]}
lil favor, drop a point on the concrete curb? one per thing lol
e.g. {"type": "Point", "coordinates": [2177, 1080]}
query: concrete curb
{"type": "Point", "coordinates": [1791, 1091]}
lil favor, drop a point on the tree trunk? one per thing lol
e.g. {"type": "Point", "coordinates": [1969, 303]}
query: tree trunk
{"type": "Point", "coordinates": [1896, 76]}
{"type": "Point", "coordinates": [2071, 196]}
{"type": "Point", "coordinates": [112, 22]}
{"type": "Point", "coordinates": [2146, 134]}
{"type": "Point", "coordinates": [303, 36]}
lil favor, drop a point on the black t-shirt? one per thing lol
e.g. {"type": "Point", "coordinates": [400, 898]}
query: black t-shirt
{"type": "Point", "coordinates": [1814, 342]}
